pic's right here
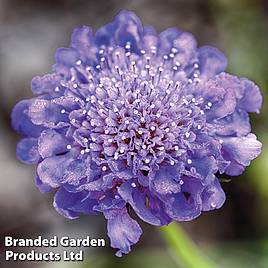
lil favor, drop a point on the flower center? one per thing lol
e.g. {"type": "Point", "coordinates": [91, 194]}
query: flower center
{"type": "Point", "coordinates": [137, 108]}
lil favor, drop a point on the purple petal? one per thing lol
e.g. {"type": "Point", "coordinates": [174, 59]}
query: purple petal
{"type": "Point", "coordinates": [187, 204]}
{"type": "Point", "coordinates": [44, 112]}
{"type": "Point", "coordinates": [150, 38]}
{"type": "Point", "coordinates": [235, 124]}
{"type": "Point", "coordinates": [166, 39]}
{"type": "Point", "coordinates": [82, 41]}
{"type": "Point", "coordinates": [166, 181]}
{"type": "Point", "coordinates": [122, 230]}
{"type": "Point", "coordinates": [43, 188]}
{"type": "Point", "coordinates": [241, 149]}
{"type": "Point", "coordinates": [234, 168]}
{"type": "Point", "coordinates": [252, 99]}
{"type": "Point", "coordinates": [51, 143]}
{"type": "Point", "coordinates": [27, 151]}
{"type": "Point", "coordinates": [211, 61]}
{"type": "Point", "coordinates": [148, 208]}
{"type": "Point", "coordinates": [213, 197]}
{"type": "Point", "coordinates": [126, 27]}
{"type": "Point", "coordinates": [52, 169]}
{"type": "Point", "coordinates": [21, 121]}
{"type": "Point", "coordinates": [205, 166]}
{"type": "Point", "coordinates": [45, 84]}
{"type": "Point", "coordinates": [65, 58]}
{"type": "Point", "coordinates": [63, 200]}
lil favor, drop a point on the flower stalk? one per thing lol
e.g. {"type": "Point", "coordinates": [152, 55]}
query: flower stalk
{"type": "Point", "coordinates": [185, 252]}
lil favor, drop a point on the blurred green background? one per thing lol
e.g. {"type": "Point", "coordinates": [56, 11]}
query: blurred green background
{"type": "Point", "coordinates": [234, 236]}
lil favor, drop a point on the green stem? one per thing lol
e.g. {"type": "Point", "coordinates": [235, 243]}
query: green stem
{"type": "Point", "coordinates": [183, 248]}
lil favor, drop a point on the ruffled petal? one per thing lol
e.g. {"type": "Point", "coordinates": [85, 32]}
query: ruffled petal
{"type": "Point", "coordinates": [237, 124]}
{"type": "Point", "coordinates": [63, 200]}
{"type": "Point", "coordinates": [65, 58]}
{"type": "Point", "coordinates": [27, 151]}
{"type": "Point", "coordinates": [166, 40]}
{"type": "Point", "coordinates": [122, 230]}
{"type": "Point", "coordinates": [43, 188]}
{"type": "Point", "coordinates": [211, 61]}
{"type": "Point", "coordinates": [234, 169]}
{"type": "Point", "coordinates": [45, 84]}
{"type": "Point", "coordinates": [52, 169]}
{"type": "Point", "coordinates": [241, 149]}
{"type": "Point", "coordinates": [75, 172]}
{"type": "Point", "coordinates": [252, 98]}
{"type": "Point", "coordinates": [21, 121]}
{"type": "Point", "coordinates": [149, 208]}
{"type": "Point", "coordinates": [82, 41]}
{"type": "Point", "coordinates": [150, 39]}
{"type": "Point", "coordinates": [213, 197]}
{"type": "Point", "coordinates": [204, 166]}
{"type": "Point", "coordinates": [187, 204]}
{"type": "Point", "coordinates": [126, 27]}
{"type": "Point", "coordinates": [44, 112]}
{"type": "Point", "coordinates": [166, 181]}
{"type": "Point", "coordinates": [51, 143]}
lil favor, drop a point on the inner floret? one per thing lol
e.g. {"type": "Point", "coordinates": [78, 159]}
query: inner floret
{"type": "Point", "coordinates": [135, 107]}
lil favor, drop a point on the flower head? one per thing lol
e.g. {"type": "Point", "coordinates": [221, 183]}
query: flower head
{"type": "Point", "coordinates": [130, 118]}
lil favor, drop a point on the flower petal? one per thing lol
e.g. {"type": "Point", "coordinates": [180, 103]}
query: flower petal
{"type": "Point", "coordinates": [211, 61]}
{"type": "Point", "coordinates": [63, 200]}
{"type": "Point", "coordinates": [237, 124]}
{"type": "Point", "coordinates": [240, 150]}
{"type": "Point", "coordinates": [82, 41]}
{"type": "Point", "coordinates": [44, 112]}
{"type": "Point", "coordinates": [166, 181]}
{"type": "Point", "coordinates": [126, 27]}
{"type": "Point", "coordinates": [213, 197]}
{"type": "Point", "coordinates": [21, 121]}
{"type": "Point", "coordinates": [187, 204]}
{"type": "Point", "coordinates": [149, 208]}
{"type": "Point", "coordinates": [166, 39]}
{"type": "Point", "coordinates": [122, 230]}
{"type": "Point", "coordinates": [51, 170]}
{"type": "Point", "coordinates": [43, 188]}
{"type": "Point", "coordinates": [27, 151]}
{"type": "Point", "coordinates": [45, 84]}
{"type": "Point", "coordinates": [65, 58]}
{"type": "Point", "coordinates": [51, 143]}
{"type": "Point", "coordinates": [252, 99]}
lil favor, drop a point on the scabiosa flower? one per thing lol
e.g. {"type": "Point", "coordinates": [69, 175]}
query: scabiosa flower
{"type": "Point", "coordinates": [130, 118]}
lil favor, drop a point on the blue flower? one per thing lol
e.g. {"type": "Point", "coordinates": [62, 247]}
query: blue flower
{"type": "Point", "coordinates": [132, 119]}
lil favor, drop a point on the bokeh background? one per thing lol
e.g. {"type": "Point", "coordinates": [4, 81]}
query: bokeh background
{"type": "Point", "coordinates": [31, 31]}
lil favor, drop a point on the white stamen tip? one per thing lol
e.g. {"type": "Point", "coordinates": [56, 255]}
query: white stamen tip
{"type": "Point", "coordinates": [187, 134]}
{"type": "Point", "coordinates": [104, 168]}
